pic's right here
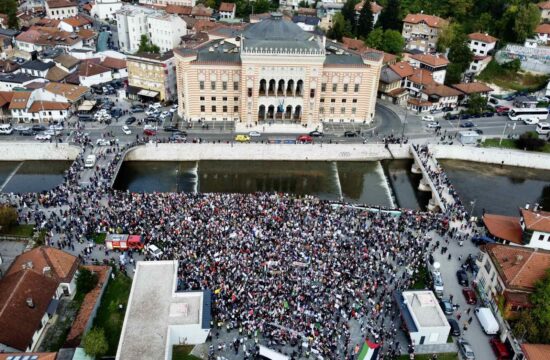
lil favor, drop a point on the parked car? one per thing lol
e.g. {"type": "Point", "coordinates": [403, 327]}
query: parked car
{"type": "Point", "coordinates": [28, 132]}
{"type": "Point", "coordinates": [446, 306]}
{"type": "Point", "coordinates": [130, 120]}
{"type": "Point", "coordinates": [43, 137]}
{"type": "Point", "coordinates": [38, 127]}
{"type": "Point", "coordinates": [500, 350]}
{"type": "Point", "coordinates": [493, 101]}
{"type": "Point", "coordinates": [502, 110]}
{"type": "Point", "coordinates": [174, 108]}
{"type": "Point", "coordinates": [126, 130]}
{"type": "Point", "coordinates": [150, 127]}
{"type": "Point", "coordinates": [462, 277]}
{"type": "Point", "coordinates": [466, 349]}
{"type": "Point", "coordinates": [242, 138]}
{"type": "Point", "coordinates": [170, 128]}
{"type": "Point", "coordinates": [137, 109]}
{"type": "Point", "coordinates": [315, 133]}
{"type": "Point", "coordinates": [488, 114]}
{"type": "Point", "coordinates": [470, 296]}
{"type": "Point", "coordinates": [479, 131]}
{"type": "Point", "coordinates": [180, 133]}
{"type": "Point", "coordinates": [177, 137]}
{"type": "Point", "coordinates": [428, 118]}
{"type": "Point", "coordinates": [455, 328]}
{"type": "Point", "coordinates": [155, 106]}
{"type": "Point", "coordinates": [254, 134]}
{"type": "Point", "coordinates": [149, 132]}
{"type": "Point", "coordinates": [56, 127]}
{"type": "Point", "coordinates": [21, 128]}
{"type": "Point", "coordinates": [304, 139]}
{"type": "Point", "coordinates": [116, 113]}
{"type": "Point", "coordinates": [350, 134]}
{"type": "Point", "coordinates": [103, 142]}
{"type": "Point", "coordinates": [467, 124]}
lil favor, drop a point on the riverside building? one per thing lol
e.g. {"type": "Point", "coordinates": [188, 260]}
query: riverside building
{"type": "Point", "coordinates": [275, 72]}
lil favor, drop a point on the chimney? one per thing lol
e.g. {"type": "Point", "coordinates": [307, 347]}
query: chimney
{"type": "Point", "coordinates": [30, 303]}
{"type": "Point", "coordinates": [519, 258]}
{"type": "Point", "coordinates": [526, 206]}
{"type": "Point", "coordinates": [47, 271]}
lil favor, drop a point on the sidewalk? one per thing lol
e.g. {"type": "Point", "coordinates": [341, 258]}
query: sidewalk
{"type": "Point", "coordinates": [277, 128]}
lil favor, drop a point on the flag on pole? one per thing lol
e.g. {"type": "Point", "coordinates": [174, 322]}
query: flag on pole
{"type": "Point", "coordinates": [369, 351]}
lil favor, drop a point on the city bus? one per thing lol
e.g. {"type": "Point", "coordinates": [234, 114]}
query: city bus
{"type": "Point", "coordinates": [529, 116]}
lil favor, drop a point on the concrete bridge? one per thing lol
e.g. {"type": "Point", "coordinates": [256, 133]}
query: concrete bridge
{"type": "Point", "coordinates": [421, 166]}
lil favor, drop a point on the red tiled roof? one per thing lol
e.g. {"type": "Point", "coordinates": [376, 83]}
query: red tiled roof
{"type": "Point", "coordinates": [419, 102]}
{"type": "Point", "coordinates": [62, 264]}
{"type": "Point", "coordinates": [69, 91]}
{"type": "Point", "coordinates": [432, 60]}
{"type": "Point", "coordinates": [19, 100]}
{"type": "Point", "coordinates": [359, 46]}
{"type": "Point", "coordinates": [422, 77]}
{"type": "Point", "coordinates": [39, 356]}
{"type": "Point", "coordinates": [19, 321]}
{"type": "Point", "coordinates": [536, 351]}
{"type": "Point", "coordinates": [536, 220]}
{"type": "Point", "coordinates": [504, 227]}
{"type": "Point", "coordinates": [544, 5]}
{"type": "Point", "coordinates": [113, 63]}
{"type": "Point", "coordinates": [227, 7]}
{"type": "Point", "coordinates": [88, 68]}
{"type": "Point", "coordinates": [48, 105]}
{"type": "Point", "coordinates": [5, 97]}
{"type": "Point", "coordinates": [178, 9]}
{"type": "Point", "coordinates": [472, 88]}
{"type": "Point", "coordinates": [402, 68]}
{"type": "Point", "coordinates": [486, 38]}
{"type": "Point", "coordinates": [519, 267]}
{"type": "Point", "coordinates": [77, 21]}
{"type": "Point", "coordinates": [543, 29]}
{"type": "Point", "coordinates": [517, 298]}
{"type": "Point", "coordinates": [87, 307]}
{"type": "Point", "coordinates": [374, 7]}
{"type": "Point", "coordinates": [56, 74]}
{"type": "Point", "coordinates": [430, 20]}
{"type": "Point", "coordinates": [440, 90]}
{"type": "Point", "coordinates": [53, 4]}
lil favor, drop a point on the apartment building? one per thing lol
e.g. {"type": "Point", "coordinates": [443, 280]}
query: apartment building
{"type": "Point", "coordinates": [166, 30]}
{"type": "Point", "coordinates": [421, 31]}
{"type": "Point", "coordinates": [105, 9]}
{"type": "Point", "coordinates": [168, 2]}
{"type": "Point", "coordinates": [276, 73]}
{"type": "Point", "coordinates": [544, 8]}
{"type": "Point", "coordinates": [152, 76]}
{"type": "Point", "coordinates": [61, 9]}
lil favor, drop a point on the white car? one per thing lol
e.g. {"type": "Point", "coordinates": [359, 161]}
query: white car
{"type": "Point", "coordinates": [126, 130]}
{"type": "Point", "coordinates": [174, 108]}
{"type": "Point", "coordinates": [21, 128]}
{"type": "Point", "coordinates": [427, 118]}
{"type": "Point", "coordinates": [150, 127]}
{"type": "Point", "coordinates": [51, 132]}
{"type": "Point", "coordinates": [152, 112]}
{"type": "Point", "coordinates": [43, 137]}
{"type": "Point", "coordinates": [155, 106]}
{"type": "Point", "coordinates": [530, 121]}
{"type": "Point", "coordinates": [56, 127]}
{"type": "Point", "coordinates": [103, 142]}
{"type": "Point", "coordinates": [165, 114]}
{"type": "Point", "coordinates": [433, 125]}
{"type": "Point", "coordinates": [254, 134]}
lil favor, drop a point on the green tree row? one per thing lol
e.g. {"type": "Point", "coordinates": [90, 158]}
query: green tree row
{"type": "Point", "coordinates": [9, 7]}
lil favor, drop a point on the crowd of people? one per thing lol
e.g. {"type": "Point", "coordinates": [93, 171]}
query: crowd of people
{"type": "Point", "coordinates": [293, 272]}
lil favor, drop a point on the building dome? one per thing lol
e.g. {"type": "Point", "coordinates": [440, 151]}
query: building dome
{"type": "Point", "coordinates": [276, 28]}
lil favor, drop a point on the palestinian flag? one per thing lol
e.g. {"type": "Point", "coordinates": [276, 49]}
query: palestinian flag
{"type": "Point", "coordinates": [369, 351]}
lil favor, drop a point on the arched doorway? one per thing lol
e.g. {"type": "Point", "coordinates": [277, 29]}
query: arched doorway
{"type": "Point", "coordinates": [261, 113]}
{"type": "Point", "coordinates": [271, 112]}
{"type": "Point", "coordinates": [288, 112]}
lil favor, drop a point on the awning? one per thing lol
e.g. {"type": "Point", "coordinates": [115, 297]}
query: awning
{"type": "Point", "coordinates": [148, 93]}
{"type": "Point", "coordinates": [87, 105]}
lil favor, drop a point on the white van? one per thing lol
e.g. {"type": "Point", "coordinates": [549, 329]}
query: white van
{"type": "Point", "coordinates": [543, 128]}
{"type": "Point", "coordinates": [90, 161]}
{"type": "Point", "coordinates": [487, 320]}
{"type": "Point", "coordinates": [6, 129]}
{"type": "Point", "coordinates": [154, 251]}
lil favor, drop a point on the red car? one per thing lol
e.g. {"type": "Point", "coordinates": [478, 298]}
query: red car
{"type": "Point", "coordinates": [500, 350]}
{"type": "Point", "coordinates": [304, 139]}
{"type": "Point", "coordinates": [470, 296]}
{"type": "Point", "coordinates": [149, 132]}
{"type": "Point", "coordinates": [502, 109]}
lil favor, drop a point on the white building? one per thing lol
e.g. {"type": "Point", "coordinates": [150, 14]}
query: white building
{"type": "Point", "coordinates": [481, 44]}
{"type": "Point", "coordinates": [423, 317]}
{"type": "Point", "coordinates": [435, 64]}
{"type": "Point", "coordinates": [168, 2]}
{"type": "Point", "coordinates": [60, 9]}
{"type": "Point", "coordinates": [166, 30]}
{"type": "Point", "coordinates": [160, 314]}
{"type": "Point", "coordinates": [227, 10]}
{"type": "Point", "coordinates": [105, 9]}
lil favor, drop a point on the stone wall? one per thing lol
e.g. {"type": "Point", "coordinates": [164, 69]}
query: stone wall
{"type": "Point", "coordinates": [12, 151]}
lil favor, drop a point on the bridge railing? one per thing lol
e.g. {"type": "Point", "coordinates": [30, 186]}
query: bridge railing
{"type": "Point", "coordinates": [426, 176]}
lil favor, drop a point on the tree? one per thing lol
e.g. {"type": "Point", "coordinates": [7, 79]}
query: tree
{"type": "Point", "coordinates": [348, 11]}
{"type": "Point", "coordinates": [476, 104]}
{"type": "Point", "coordinates": [365, 21]}
{"type": "Point", "coordinates": [460, 8]}
{"type": "Point", "coordinates": [86, 280]}
{"type": "Point", "coordinates": [534, 324]}
{"type": "Point", "coordinates": [376, 39]}
{"type": "Point", "coordinates": [393, 42]}
{"type": "Point", "coordinates": [454, 74]}
{"type": "Point", "coordinates": [448, 35]}
{"type": "Point", "coordinates": [95, 343]}
{"type": "Point", "coordinates": [390, 18]}
{"type": "Point", "coordinates": [460, 57]}
{"type": "Point", "coordinates": [8, 217]}
{"type": "Point", "coordinates": [518, 21]}
{"type": "Point", "coordinates": [9, 7]}
{"type": "Point", "coordinates": [340, 27]}
{"type": "Point", "coordinates": [530, 141]}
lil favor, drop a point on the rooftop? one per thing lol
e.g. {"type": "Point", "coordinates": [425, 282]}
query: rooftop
{"type": "Point", "coordinates": [424, 308]}
{"type": "Point", "coordinates": [536, 351]}
{"type": "Point", "coordinates": [430, 20]}
{"type": "Point", "coordinates": [53, 4]}
{"type": "Point", "coordinates": [374, 7]}
{"type": "Point", "coordinates": [486, 38]}
{"type": "Point", "coordinates": [388, 76]}
{"type": "Point", "coordinates": [543, 29]}
{"type": "Point", "coordinates": [29, 356]}
{"type": "Point", "coordinates": [38, 65]}
{"type": "Point", "coordinates": [69, 91]}
{"type": "Point", "coordinates": [403, 69]}
{"type": "Point", "coordinates": [150, 56]}
{"type": "Point", "coordinates": [61, 264]}
{"type": "Point", "coordinates": [227, 7]}
{"type": "Point", "coordinates": [536, 220]}
{"type": "Point", "coordinates": [504, 227]}
{"type": "Point", "coordinates": [155, 309]}
{"type": "Point", "coordinates": [431, 60]}
{"type": "Point", "coordinates": [472, 88]}
{"type": "Point", "coordinates": [519, 267]}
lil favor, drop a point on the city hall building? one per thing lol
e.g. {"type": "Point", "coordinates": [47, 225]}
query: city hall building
{"type": "Point", "coordinates": [275, 72]}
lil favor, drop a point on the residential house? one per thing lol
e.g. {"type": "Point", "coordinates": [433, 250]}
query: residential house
{"type": "Point", "coordinates": [389, 87]}
{"type": "Point", "coordinates": [421, 31]}
{"type": "Point", "coordinates": [152, 76]}
{"type": "Point", "coordinates": [468, 89]}
{"type": "Point", "coordinates": [166, 30]}
{"type": "Point", "coordinates": [27, 301]}
{"type": "Point", "coordinates": [8, 66]}
{"type": "Point", "coordinates": [131, 25]}
{"type": "Point", "coordinates": [435, 64]}
{"type": "Point", "coordinates": [535, 351]}
{"type": "Point", "coordinates": [359, 46]}
{"type": "Point", "coordinates": [168, 2]}
{"type": "Point", "coordinates": [42, 38]}
{"type": "Point", "coordinates": [307, 23]}
{"type": "Point", "coordinates": [56, 74]}
{"type": "Point", "coordinates": [118, 66]}
{"type": "Point", "coordinates": [374, 8]}
{"type": "Point", "coordinates": [440, 96]}
{"type": "Point", "coordinates": [179, 10]}
{"type": "Point", "coordinates": [5, 100]}
{"type": "Point", "coordinates": [544, 11]}
{"type": "Point", "coordinates": [482, 46]}
{"type": "Point", "coordinates": [92, 73]}
{"type": "Point", "coordinates": [36, 68]}
{"type": "Point", "coordinates": [60, 9]}
{"type": "Point", "coordinates": [75, 23]}
{"type": "Point", "coordinates": [543, 33]}
{"type": "Point", "coordinates": [72, 94]}
{"type": "Point", "coordinates": [10, 82]}
{"type": "Point", "coordinates": [507, 276]}
{"type": "Point", "coordinates": [202, 12]}
{"type": "Point", "coordinates": [67, 62]}
{"type": "Point", "coordinates": [105, 9]}
{"type": "Point", "coordinates": [27, 107]}
{"type": "Point", "coordinates": [227, 10]}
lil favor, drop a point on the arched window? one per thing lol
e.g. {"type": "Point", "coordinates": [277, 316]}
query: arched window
{"type": "Point", "coordinates": [288, 112]}
{"type": "Point", "coordinates": [261, 113]}
{"type": "Point", "coordinates": [297, 112]}
{"type": "Point", "coordinates": [271, 90]}
{"type": "Point", "coordinates": [281, 88]}
{"type": "Point", "coordinates": [299, 88]}
{"type": "Point", "coordinates": [263, 89]}
{"type": "Point", "coordinates": [271, 111]}
{"type": "Point", "coordinates": [290, 88]}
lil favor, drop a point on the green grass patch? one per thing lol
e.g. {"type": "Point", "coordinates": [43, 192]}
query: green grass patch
{"type": "Point", "coordinates": [20, 230]}
{"type": "Point", "coordinates": [182, 352]}
{"type": "Point", "coordinates": [509, 144]}
{"type": "Point", "coordinates": [109, 317]}
{"type": "Point", "coordinates": [508, 78]}
{"type": "Point", "coordinates": [421, 279]}
{"type": "Point", "coordinates": [441, 356]}
{"type": "Point", "coordinates": [99, 238]}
